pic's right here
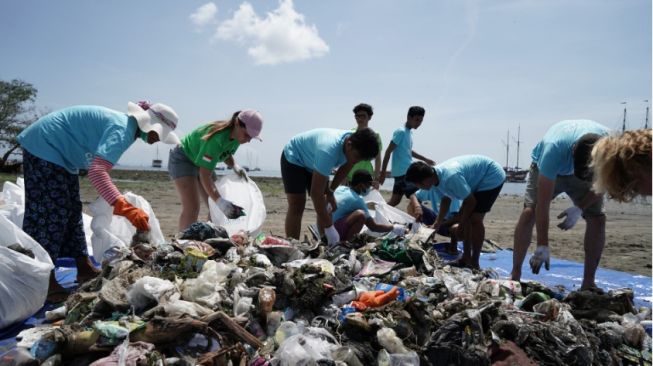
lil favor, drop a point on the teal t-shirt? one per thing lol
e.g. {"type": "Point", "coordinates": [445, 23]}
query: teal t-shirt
{"type": "Point", "coordinates": [463, 175]}
{"type": "Point", "coordinates": [554, 154]}
{"type": "Point", "coordinates": [402, 155]}
{"type": "Point", "coordinates": [348, 201]}
{"type": "Point", "coordinates": [72, 137]}
{"type": "Point", "coordinates": [317, 150]}
{"type": "Point", "coordinates": [434, 196]}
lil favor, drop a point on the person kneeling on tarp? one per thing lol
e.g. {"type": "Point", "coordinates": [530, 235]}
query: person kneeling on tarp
{"type": "Point", "coordinates": [352, 212]}
{"type": "Point", "coordinates": [477, 181]}
{"type": "Point", "coordinates": [61, 143]}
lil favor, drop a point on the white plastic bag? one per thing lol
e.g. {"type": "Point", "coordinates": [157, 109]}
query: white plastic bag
{"type": "Point", "coordinates": [151, 289]}
{"type": "Point", "coordinates": [12, 201]}
{"type": "Point", "coordinates": [244, 193]}
{"type": "Point", "coordinates": [113, 230]}
{"type": "Point", "coordinates": [23, 280]}
{"type": "Point", "coordinates": [386, 214]}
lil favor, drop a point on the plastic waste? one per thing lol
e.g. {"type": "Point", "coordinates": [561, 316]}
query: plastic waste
{"type": "Point", "coordinates": [387, 359]}
{"type": "Point", "coordinates": [23, 280]}
{"type": "Point", "coordinates": [388, 339]}
{"type": "Point", "coordinates": [344, 297]}
{"type": "Point", "coordinates": [266, 298]}
{"type": "Point", "coordinates": [208, 288]}
{"type": "Point", "coordinates": [56, 314]}
{"type": "Point", "coordinates": [303, 349]}
{"type": "Point", "coordinates": [244, 193]}
{"type": "Point", "coordinates": [148, 290]}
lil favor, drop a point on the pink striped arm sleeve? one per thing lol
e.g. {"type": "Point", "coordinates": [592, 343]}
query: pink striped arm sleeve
{"type": "Point", "coordinates": [98, 174]}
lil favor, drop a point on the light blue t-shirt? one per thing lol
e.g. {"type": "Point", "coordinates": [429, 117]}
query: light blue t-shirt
{"type": "Point", "coordinates": [466, 174]}
{"type": "Point", "coordinates": [554, 154]}
{"type": "Point", "coordinates": [434, 196]}
{"type": "Point", "coordinates": [318, 150]}
{"type": "Point", "coordinates": [72, 137]}
{"type": "Point", "coordinates": [402, 155]}
{"type": "Point", "coordinates": [348, 201]}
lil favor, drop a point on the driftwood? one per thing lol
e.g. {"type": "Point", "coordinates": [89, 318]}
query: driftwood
{"type": "Point", "coordinates": [241, 332]}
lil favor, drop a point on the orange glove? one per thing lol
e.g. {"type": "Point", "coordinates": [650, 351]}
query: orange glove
{"type": "Point", "coordinates": [135, 215]}
{"type": "Point", "coordinates": [373, 299]}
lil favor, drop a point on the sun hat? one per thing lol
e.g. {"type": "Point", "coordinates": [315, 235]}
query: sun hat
{"type": "Point", "coordinates": [157, 117]}
{"type": "Point", "coordinates": [253, 122]}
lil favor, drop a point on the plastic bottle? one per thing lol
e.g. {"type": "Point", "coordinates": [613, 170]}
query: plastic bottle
{"type": "Point", "coordinates": [266, 299]}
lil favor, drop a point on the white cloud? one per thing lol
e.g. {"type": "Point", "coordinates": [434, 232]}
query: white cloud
{"type": "Point", "coordinates": [282, 36]}
{"type": "Point", "coordinates": [204, 15]}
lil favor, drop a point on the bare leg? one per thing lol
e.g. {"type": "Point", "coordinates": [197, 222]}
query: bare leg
{"type": "Point", "coordinates": [395, 199]}
{"type": "Point", "coordinates": [56, 293]}
{"type": "Point", "coordinates": [204, 197]}
{"type": "Point", "coordinates": [188, 190]}
{"type": "Point", "coordinates": [476, 236]}
{"type": "Point", "coordinates": [296, 205]}
{"type": "Point", "coordinates": [355, 222]}
{"type": "Point", "coordinates": [594, 242]}
{"type": "Point", "coordinates": [85, 269]}
{"type": "Point", "coordinates": [522, 240]}
{"type": "Point", "coordinates": [452, 247]}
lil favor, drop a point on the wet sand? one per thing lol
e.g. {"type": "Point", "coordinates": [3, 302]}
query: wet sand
{"type": "Point", "coordinates": [628, 231]}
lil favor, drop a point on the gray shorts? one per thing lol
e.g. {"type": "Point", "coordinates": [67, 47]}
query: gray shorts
{"type": "Point", "coordinates": [575, 188]}
{"type": "Point", "coordinates": [179, 165]}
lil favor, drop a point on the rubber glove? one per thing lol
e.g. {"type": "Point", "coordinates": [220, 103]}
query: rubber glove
{"type": "Point", "coordinates": [373, 299]}
{"type": "Point", "coordinates": [541, 256]}
{"type": "Point", "coordinates": [332, 235]}
{"type": "Point", "coordinates": [229, 209]}
{"type": "Point", "coordinates": [399, 230]}
{"type": "Point", "coordinates": [240, 171]}
{"type": "Point", "coordinates": [135, 215]}
{"type": "Point", "coordinates": [571, 215]}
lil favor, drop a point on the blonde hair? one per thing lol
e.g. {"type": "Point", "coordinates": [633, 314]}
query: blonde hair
{"type": "Point", "coordinates": [218, 126]}
{"type": "Point", "coordinates": [619, 162]}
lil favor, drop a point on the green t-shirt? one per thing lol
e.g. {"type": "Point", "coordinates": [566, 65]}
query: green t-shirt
{"type": "Point", "coordinates": [207, 154]}
{"type": "Point", "coordinates": [365, 164]}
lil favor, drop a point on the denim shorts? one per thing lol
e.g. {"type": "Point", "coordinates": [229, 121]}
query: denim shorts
{"type": "Point", "coordinates": [179, 165]}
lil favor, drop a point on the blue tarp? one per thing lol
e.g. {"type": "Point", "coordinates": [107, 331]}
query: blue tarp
{"type": "Point", "coordinates": [564, 275]}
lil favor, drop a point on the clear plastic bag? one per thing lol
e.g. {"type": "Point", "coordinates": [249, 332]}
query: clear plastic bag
{"type": "Point", "coordinates": [244, 193]}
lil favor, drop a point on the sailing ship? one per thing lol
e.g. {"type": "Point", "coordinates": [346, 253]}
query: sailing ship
{"type": "Point", "coordinates": [157, 163]}
{"type": "Point", "coordinates": [514, 174]}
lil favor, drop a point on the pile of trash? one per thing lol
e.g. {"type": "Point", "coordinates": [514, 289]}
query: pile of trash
{"type": "Point", "coordinates": [210, 298]}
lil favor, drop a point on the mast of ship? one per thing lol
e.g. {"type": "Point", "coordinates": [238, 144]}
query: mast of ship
{"type": "Point", "coordinates": [507, 143]}
{"type": "Point", "coordinates": [518, 141]}
{"type": "Point", "coordinates": [623, 126]}
{"type": "Point", "coordinates": [647, 107]}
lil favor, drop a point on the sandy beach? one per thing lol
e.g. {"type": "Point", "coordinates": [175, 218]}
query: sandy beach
{"type": "Point", "coordinates": [628, 233]}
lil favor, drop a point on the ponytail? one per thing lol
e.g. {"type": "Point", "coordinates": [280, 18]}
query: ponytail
{"type": "Point", "coordinates": [218, 126]}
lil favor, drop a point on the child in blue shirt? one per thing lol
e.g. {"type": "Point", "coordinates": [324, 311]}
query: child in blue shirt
{"type": "Point", "coordinates": [352, 211]}
{"type": "Point", "coordinates": [306, 163]}
{"type": "Point", "coordinates": [477, 181]}
{"type": "Point", "coordinates": [401, 149]}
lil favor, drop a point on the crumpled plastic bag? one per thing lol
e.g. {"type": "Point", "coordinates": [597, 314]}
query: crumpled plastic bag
{"type": "Point", "coordinates": [208, 289]}
{"type": "Point", "coordinates": [148, 290]}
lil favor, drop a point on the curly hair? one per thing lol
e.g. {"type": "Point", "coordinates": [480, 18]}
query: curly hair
{"type": "Point", "coordinates": [619, 162]}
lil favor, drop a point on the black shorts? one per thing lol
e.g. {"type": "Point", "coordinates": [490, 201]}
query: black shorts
{"type": "Point", "coordinates": [296, 179]}
{"type": "Point", "coordinates": [485, 199]}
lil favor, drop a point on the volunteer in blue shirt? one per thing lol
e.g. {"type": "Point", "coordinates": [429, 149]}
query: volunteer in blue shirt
{"type": "Point", "coordinates": [352, 212]}
{"type": "Point", "coordinates": [474, 179]}
{"type": "Point", "coordinates": [401, 149]}
{"type": "Point", "coordinates": [428, 216]}
{"type": "Point", "coordinates": [561, 164]}
{"type": "Point", "coordinates": [306, 163]}
{"type": "Point", "coordinates": [61, 143]}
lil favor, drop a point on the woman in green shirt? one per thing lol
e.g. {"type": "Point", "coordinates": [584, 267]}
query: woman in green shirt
{"type": "Point", "coordinates": [191, 164]}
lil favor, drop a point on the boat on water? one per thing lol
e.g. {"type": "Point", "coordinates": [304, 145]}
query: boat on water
{"type": "Point", "coordinates": [514, 174]}
{"type": "Point", "coordinates": [157, 163]}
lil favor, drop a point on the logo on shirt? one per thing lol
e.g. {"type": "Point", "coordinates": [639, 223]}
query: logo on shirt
{"type": "Point", "coordinates": [207, 158]}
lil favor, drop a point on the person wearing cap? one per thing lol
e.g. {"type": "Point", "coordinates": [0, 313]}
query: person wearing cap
{"type": "Point", "coordinates": [192, 162]}
{"type": "Point", "coordinates": [61, 143]}
{"type": "Point", "coordinates": [352, 213]}
{"type": "Point", "coordinates": [560, 164]}
{"type": "Point", "coordinates": [476, 180]}
{"type": "Point", "coordinates": [306, 164]}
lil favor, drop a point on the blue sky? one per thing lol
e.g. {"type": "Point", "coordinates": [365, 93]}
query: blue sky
{"type": "Point", "coordinates": [478, 67]}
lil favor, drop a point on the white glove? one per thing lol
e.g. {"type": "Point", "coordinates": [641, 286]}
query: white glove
{"type": "Point", "coordinates": [572, 215]}
{"type": "Point", "coordinates": [329, 208]}
{"type": "Point", "coordinates": [399, 230]}
{"type": "Point", "coordinates": [332, 235]}
{"type": "Point", "coordinates": [228, 208]}
{"type": "Point", "coordinates": [240, 171]}
{"type": "Point", "coordinates": [540, 256]}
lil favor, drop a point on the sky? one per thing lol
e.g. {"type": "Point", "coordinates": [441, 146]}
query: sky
{"type": "Point", "coordinates": [478, 67]}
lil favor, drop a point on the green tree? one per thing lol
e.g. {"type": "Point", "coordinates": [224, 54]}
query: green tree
{"type": "Point", "coordinates": [17, 111]}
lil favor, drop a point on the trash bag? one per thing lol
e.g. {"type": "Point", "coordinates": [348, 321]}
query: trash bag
{"type": "Point", "coordinates": [12, 201]}
{"type": "Point", "coordinates": [386, 214]}
{"type": "Point", "coordinates": [111, 230]}
{"type": "Point", "coordinates": [244, 193]}
{"type": "Point", "coordinates": [23, 280]}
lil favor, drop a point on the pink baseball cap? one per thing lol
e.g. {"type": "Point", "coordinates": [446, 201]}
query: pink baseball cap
{"type": "Point", "coordinates": [253, 122]}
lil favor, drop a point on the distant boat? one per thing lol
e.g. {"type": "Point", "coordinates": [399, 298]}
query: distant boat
{"type": "Point", "coordinates": [221, 167]}
{"type": "Point", "coordinates": [157, 163]}
{"type": "Point", "coordinates": [257, 169]}
{"type": "Point", "coordinates": [514, 174]}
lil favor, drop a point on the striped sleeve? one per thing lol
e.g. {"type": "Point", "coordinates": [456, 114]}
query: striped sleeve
{"type": "Point", "coordinates": [98, 174]}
